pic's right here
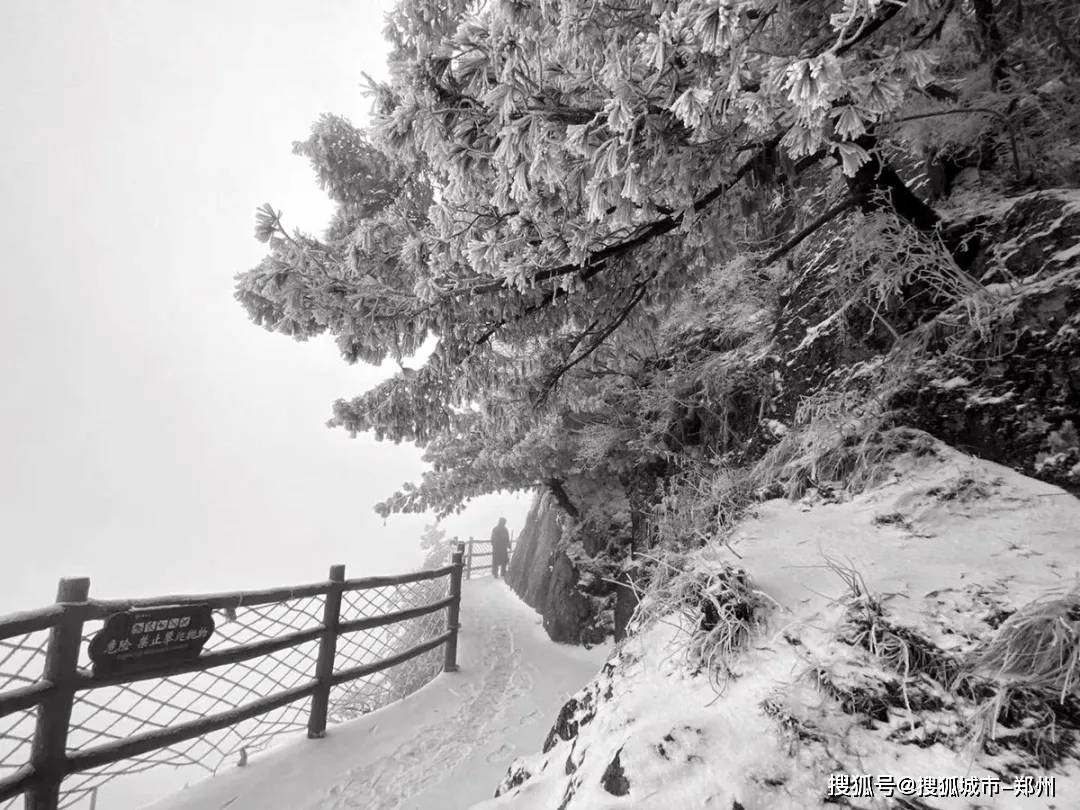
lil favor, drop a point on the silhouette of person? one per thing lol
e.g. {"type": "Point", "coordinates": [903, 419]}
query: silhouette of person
{"type": "Point", "coordinates": [500, 548]}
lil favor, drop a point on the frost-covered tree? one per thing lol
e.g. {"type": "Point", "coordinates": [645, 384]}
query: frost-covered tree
{"type": "Point", "coordinates": [543, 179]}
{"type": "Point", "coordinates": [436, 546]}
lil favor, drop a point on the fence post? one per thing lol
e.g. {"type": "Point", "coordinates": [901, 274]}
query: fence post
{"type": "Point", "coordinates": [48, 752]}
{"type": "Point", "coordinates": [324, 669]}
{"type": "Point", "coordinates": [468, 568]}
{"type": "Point", "coordinates": [453, 610]}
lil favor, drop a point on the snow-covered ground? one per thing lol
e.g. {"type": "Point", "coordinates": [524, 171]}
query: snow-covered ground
{"type": "Point", "coordinates": [945, 550]}
{"type": "Point", "coordinates": [948, 547]}
{"type": "Point", "coordinates": [444, 747]}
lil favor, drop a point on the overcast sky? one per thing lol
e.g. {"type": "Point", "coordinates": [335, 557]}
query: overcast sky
{"type": "Point", "coordinates": [151, 437]}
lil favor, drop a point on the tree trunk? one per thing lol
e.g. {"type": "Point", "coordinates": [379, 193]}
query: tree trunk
{"type": "Point", "coordinates": [992, 45]}
{"type": "Point", "coordinates": [876, 185]}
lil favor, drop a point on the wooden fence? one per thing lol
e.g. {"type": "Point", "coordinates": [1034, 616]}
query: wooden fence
{"type": "Point", "coordinates": [478, 554]}
{"type": "Point", "coordinates": [39, 761]}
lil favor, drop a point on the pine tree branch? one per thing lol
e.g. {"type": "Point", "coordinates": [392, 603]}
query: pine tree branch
{"type": "Point", "coordinates": [936, 27]}
{"type": "Point", "coordinates": [598, 260]}
{"type": "Point", "coordinates": [868, 29]}
{"type": "Point", "coordinates": [303, 250]}
{"type": "Point", "coordinates": [554, 377]}
{"type": "Point", "coordinates": [821, 221]}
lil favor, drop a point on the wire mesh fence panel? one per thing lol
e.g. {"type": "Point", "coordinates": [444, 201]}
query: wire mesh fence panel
{"type": "Point", "coordinates": [110, 713]}
{"type": "Point", "coordinates": [356, 698]}
{"type": "Point", "coordinates": [369, 646]}
{"type": "Point", "coordinates": [190, 760]}
{"type": "Point", "coordinates": [22, 659]}
{"type": "Point", "coordinates": [243, 625]}
{"type": "Point", "coordinates": [410, 675]}
{"type": "Point", "coordinates": [16, 734]}
{"type": "Point", "coordinates": [78, 792]}
{"type": "Point", "coordinates": [407, 677]}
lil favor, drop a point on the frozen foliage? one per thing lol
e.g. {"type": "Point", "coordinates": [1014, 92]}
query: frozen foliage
{"type": "Point", "coordinates": [546, 187]}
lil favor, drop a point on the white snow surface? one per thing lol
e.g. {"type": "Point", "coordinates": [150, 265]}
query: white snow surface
{"type": "Point", "coordinates": [442, 748]}
{"type": "Point", "coordinates": [952, 535]}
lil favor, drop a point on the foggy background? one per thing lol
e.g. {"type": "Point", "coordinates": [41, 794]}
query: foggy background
{"type": "Point", "coordinates": [151, 437]}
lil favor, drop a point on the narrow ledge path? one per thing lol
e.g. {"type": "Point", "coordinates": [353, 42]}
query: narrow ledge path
{"type": "Point", "coordinates": [443, 748]}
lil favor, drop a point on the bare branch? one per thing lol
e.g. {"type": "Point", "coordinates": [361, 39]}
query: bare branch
{"type": "Point", "coordinates": [824, 219]}
{"type": "Point", "coordinates": [554, 377]}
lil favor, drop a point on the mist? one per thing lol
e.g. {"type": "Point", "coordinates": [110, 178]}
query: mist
{"type": "Point", "coordinates": [152, 438]}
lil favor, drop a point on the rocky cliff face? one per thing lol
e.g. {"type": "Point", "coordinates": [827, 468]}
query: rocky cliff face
{"type": "Point", "coordinates": [995, 374]}
{"type": "Point", "coordinates": [552, 573]}
{"type": "Point", "coordinates": [1014, 397]}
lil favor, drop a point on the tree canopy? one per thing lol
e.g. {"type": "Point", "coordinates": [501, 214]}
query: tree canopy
{"type": "Point", "coordinates": [544, 183]}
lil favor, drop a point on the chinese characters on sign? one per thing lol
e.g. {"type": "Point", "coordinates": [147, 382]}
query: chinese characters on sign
{"type": "Point", "coordinates": [139, 640]}
{"type": "Point", "coordinates": [865, 786]}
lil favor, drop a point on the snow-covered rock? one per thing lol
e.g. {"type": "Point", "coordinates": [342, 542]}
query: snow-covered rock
{"type": "Point", "coordinates": [881, 607]}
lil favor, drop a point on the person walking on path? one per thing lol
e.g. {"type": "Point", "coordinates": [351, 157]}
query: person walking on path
{"type": "Point", "coordinates": [500, 548]}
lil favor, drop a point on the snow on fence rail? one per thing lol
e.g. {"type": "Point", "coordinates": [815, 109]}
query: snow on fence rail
{"type": "Point", "coordinates": [277, 661]}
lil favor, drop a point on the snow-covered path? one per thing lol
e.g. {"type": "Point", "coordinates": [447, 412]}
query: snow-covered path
{"type": "Point", "coordinates": [444, 747]}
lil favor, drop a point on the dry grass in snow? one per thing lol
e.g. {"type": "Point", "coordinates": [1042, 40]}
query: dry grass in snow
{"type": "Point", "coordinates": [925, 628]}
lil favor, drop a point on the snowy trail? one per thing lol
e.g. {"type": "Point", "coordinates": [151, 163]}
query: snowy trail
{"type": "Point", "coordinates": [444, 747]}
